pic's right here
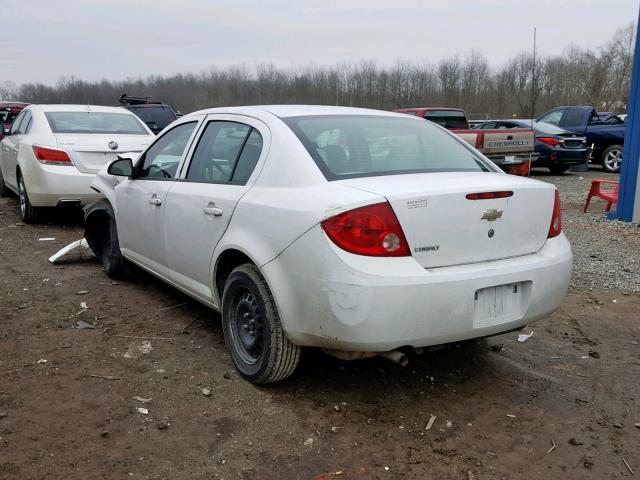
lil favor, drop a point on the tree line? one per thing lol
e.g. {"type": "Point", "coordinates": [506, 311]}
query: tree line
{"type": "Point", "coordinates": [598, 77]}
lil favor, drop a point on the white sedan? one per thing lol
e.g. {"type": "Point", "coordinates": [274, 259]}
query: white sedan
{"type": "Point", "coordinates": [51, 153]}
{"type": "Point", "coordinates": [357, 231]}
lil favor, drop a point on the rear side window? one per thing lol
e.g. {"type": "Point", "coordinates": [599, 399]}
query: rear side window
{"type": "Point", "coordinates": [448, 118]}
{"type": "Point", "coordinates": [155, 116]}
{"type": "Point", "coordinates": [552, 117]}
{"type": "Point", "coordinates": [95, 122]}
{"type": "Point", "coordinates": [351, 146]}
{"type": "Point", "coordinates": [227, 152]}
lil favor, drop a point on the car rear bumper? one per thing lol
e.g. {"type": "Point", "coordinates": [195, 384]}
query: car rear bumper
{"type": "Point", "coordinates": [329, 298]}
{"type": "Point", "coordinates": [559, 156]}
{"type": "Point", "coordinates": [54, 185]}
{"type": "Point", "coordinates": [508, 160]}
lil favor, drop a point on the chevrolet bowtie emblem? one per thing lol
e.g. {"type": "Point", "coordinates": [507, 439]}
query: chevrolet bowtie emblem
{"type": "Point", "coordinates": [491, 214]}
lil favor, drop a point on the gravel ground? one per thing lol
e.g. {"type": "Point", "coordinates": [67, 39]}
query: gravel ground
{"type": "Point", "coordinates": [606, 253]}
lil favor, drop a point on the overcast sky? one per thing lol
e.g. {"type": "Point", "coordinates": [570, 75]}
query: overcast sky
{"type": "Point", "coordinates": [42, 40]}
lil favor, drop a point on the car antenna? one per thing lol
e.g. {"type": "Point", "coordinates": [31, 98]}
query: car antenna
{"type": "Point", "coordinates": [533, 80]}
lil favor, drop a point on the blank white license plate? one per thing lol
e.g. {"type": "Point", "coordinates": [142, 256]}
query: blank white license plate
{"type": "Point", "coordinates": [496, 305]}
{"type": "Point", "coordinates": [509, 159]}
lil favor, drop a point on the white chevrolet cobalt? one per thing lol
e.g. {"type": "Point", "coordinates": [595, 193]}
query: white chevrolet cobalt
{"type": "Point", "coordinates": [354, 230]}
{"type": "Point", "coordinates": [51, 153]}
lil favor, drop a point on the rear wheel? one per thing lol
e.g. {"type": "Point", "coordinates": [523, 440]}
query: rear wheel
{"type": "Point", "coordinates": [28, 213]}
{"type": "Point", "coordinates": [612, 159]}
{"type": "Point", "coordinates": [558, 169]}
{"type": "Point", "coordinates": [252, 330]}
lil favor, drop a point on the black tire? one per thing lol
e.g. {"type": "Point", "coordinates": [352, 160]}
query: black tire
{"type": "Point", "coordinates": [612, 159]}
{"type": "Point", "coordinates": [252, 330]}
{"type": "Point", "coordinates": [112, 260]}
{"type": "Point", "coordinates": [558, 169]}
{"type": "Point", "coordinates": [4, 190]}
{"type": "Point", "coordinates": [28, 213]}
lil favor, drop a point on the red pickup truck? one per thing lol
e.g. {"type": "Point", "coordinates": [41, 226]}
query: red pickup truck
{"type": "Point", "coordinates": [9, 111]}
{"type": "Point", "coordinates": [512, 149]}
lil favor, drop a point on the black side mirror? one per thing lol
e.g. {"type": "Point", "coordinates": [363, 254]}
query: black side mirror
{"type": "Point", "coordinates": [122, 167]}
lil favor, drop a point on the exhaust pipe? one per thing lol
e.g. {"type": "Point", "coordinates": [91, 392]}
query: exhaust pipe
{"type": "Point", "coordinates": [396, 357]}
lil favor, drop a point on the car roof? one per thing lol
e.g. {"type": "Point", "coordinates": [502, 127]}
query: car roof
{"type": "Point", "coordinates": [80, 108]}
{"type": "Point", "coordinates": [284, 111]}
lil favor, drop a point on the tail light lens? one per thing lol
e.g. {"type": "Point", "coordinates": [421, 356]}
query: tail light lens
{"type": "Point", "coordinates": [51, 156]}
{"type": "Point", "coordinates": [489, 195]}
{"type": "Point", "coordinates": [556, 219]}
{"type": "Point", "coordinates": [548, 140]}
{"type": "Point", "coordinates": [373, 230]}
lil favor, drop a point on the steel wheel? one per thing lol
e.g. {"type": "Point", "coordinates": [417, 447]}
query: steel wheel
{"type": "Point", "coordinates": [248, 329]}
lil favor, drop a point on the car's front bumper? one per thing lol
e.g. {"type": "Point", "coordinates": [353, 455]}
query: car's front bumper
{"type": "Point", "coordinates": [54, 185]}
{"type": "Point", "coordinates": [330, 298]}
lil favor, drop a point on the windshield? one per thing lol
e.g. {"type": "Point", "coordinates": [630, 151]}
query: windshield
{"type": "Point", "coordinates": [95, 122]}
{"type": "Point", "coordinates": [351, 146]}
{"type": "Point", "coordinates": [448, 118]}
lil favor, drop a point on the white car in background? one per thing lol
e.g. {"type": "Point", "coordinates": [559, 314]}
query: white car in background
{"type": "Point", "coordinates": [51, 153]}
{"type": "Point", "coordinates": [358, 231]}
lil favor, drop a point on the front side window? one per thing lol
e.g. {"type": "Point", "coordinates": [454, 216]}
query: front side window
{"type": "Point", "coordinates": [161, 160]}
{"type": "Point", "coordinates": [226, 153]}
{"type": "Point", "coordinates": [351, 146]}
{"type": "Point", "coordinates": [95, 122]}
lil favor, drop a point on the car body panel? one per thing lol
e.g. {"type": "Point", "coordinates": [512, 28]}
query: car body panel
{"type": "Point", "coordinates": [326, 296]}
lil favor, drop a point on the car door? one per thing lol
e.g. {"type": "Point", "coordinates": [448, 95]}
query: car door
{"type": "Point", "coordinates": [201, 203]}
{"type": "Point", "coordinates": [10, 146]}
{"type": "Point", "coordinates": [141, 199]}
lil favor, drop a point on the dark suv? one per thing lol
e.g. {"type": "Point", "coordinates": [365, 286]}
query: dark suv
{"type": "Point", "coordinates": [156, 115]}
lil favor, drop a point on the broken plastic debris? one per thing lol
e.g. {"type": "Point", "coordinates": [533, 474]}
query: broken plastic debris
{"type": "Point", "coordinates": [523, 337]}
{"type": "Point", "coordinates": [135, 350]}
{"type": "Point", "coordinates": [142, 400]}
{"type": "Point", "coordinates": [142, 410]}
{"type": "Point", "coordinates": [83, 305]}
{"type": "Point", "coordinates": [206, 391]}
{"type": "Point", "coordinates": [430, 422]}
{"type": "Point", "coordinates": [82, 292]}
{"type": "Point", "coordinates": [63, 251]}
{"type": "Point", "coordinates": [42, 360]}
{"type": "Point", "coordinates": [46, 239]}
{"type": "Point", "coordinates": [308, 442]}
{"type": "Point", "coordinates": [80, 325]}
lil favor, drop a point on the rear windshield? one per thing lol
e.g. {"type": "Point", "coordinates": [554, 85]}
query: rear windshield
{"type": "Point", "coordinates": [159, 115]}
{"type": "Point", "coordinates": [352, 146]}
{"type": "Point", "coordinates": [447, 118]}
{"type": "Point", "coordinates": [95, 122]}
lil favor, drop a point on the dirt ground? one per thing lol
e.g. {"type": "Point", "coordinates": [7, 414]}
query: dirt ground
{"type": "Point", "coordinates": [68, 406]}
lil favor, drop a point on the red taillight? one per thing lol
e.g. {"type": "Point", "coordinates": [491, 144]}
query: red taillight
{"type": "Point", "coordinates": [556, 218]}
{"type": "Point", "coordinates": [548, 140]}
{"type": "Point", "coordinates": [51, 156]}
{"type": "Point", "coordinates": [489, 195]}
{"type": "Point", "coordinates": [373, 230]}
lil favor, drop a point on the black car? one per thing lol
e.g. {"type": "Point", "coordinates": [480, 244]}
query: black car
{"type": "Point", "coordinates": [558, 148]}
{"type": "Point", "coordinates": [156, 115]}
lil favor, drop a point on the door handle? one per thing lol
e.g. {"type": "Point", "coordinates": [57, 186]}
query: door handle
{"type": "Point", "coordinates": [211, 209]}
{"type": "Point", "coordinates": [154, 200]}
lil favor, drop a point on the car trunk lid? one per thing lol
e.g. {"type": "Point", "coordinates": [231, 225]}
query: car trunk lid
{"type": "Point", "coordinates": [443, 227]}
{"type": "Point", "coordinates": [90, 152]}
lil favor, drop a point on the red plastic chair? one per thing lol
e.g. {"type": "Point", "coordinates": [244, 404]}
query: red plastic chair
{"type": "Point", "coordinates": [607, 190]}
